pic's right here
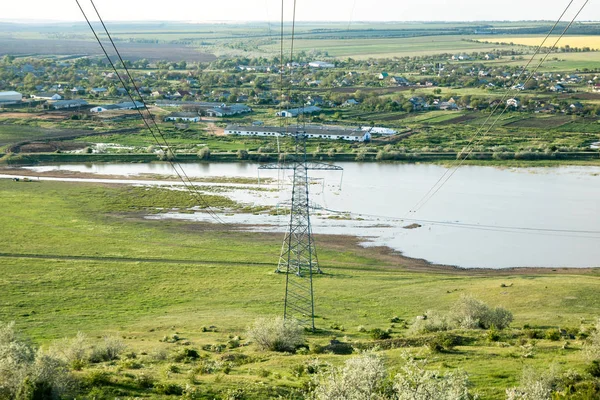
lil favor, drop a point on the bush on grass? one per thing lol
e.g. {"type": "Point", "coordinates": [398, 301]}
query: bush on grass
{"type": "Point", "coordinates": [29, 374]}
{"type": "Point", "coordinates": [471, 313]}
{"type": "Point", "coordinates": [108, 350]}
{"type": "Point", "coordinates": [276, 334]}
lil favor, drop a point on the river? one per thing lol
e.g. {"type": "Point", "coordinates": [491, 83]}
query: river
{"type": "Point", "coordinates": [484, 217]}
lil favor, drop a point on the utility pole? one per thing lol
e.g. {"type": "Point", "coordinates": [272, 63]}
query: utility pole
{"type": "Point", "coordinates": [298, 258]}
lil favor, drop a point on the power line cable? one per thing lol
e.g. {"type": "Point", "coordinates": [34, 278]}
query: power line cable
{"type": "Point", "coordinates": [427, 196]}
{"type": "Point", "coordinates": [499, 228]}
{"type": "Point", "coordinates": [181, 174]}
{"type": "Point", "coordinates": [351, 15]}
{"type": "Point", "coordinates": [194, 193]}
{"type": "Point", "coordinates": [470, 151]}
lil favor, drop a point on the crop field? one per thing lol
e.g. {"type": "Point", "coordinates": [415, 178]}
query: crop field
{"type": "Point", "coordinates": [130, 51]}
{"type": "Point", "coordinates": [394, 47]}
{"type": "Point", "coordinates": [536, 122]}
{"type": "Point", "coordinates": [592, 42]}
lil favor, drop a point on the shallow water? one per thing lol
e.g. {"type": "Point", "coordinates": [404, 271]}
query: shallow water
{"type": "Point", "coordinates": [483, 217]}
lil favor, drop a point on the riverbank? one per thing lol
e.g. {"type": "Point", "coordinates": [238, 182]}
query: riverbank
{"type": "Point", "coordinates": [484, 159]}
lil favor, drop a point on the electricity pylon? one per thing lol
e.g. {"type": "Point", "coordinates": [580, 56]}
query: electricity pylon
{"type": "Point", "coordinates": [298, 259]}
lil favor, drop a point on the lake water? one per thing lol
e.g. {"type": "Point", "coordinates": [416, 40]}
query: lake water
{"type": "Point", "coordinates": [483, 217]}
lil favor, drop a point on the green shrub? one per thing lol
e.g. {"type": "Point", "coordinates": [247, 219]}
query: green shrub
{"type": "Point", "coordinates": [131, 364]}
{"type": "Point", "coordinates": [362, 377]}
{"type": "Point", "coordinates": [552, 334]}
{"type": "Point", "coordinates": [594, 369]}
{"type": "Point", "coordinates": [145, 381]}
{"type": "Point", "coordinates": [74, 351]}
{"type": "Point", "coordinates": [432, 321]}
{"type": "Point", "coordinates": [173, 368]}
{"type": "Point", "coordinates": [168, 389]}
{"type": "Point", "coordinates": [297, 370]}
{"type": "Point", "coordinates": [471, 313]}
{"type": "Point", "coordinates": [108, 350]}
{"type": "Point", "coordinates": [98, 377]}
{"type": "Point", "coordinates": [186, 354]}
{"type": "Point", "coordinates": [277, 334]}
{"type": "Point", "coordinates": [29, 374]}
{"type": "Point", "coordinates": [204, 153]}
{"type": "Point", "coordinates": [379, 334]}
{"type": "Point", "coordinates": [493, 335]}
{"type": "Point", "coordinates": [316, 348]}
{"type": "Point", "coordinates": [534, 334]}
{"type": "Point", "coordinates": [443, 342]}
{"type": "Point", "coordinates": [242, 154]}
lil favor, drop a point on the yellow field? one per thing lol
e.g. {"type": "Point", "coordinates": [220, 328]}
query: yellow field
{"type": "Point", "coordinates": [592, 42]}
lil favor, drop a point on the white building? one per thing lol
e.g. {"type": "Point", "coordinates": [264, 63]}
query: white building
{"type": "Point", "coordinates": [225, 110]}
{"type": "Point", "coordinates": [46, 96]}
{"type": "Point", "coordinates": [294, 112]}
{"type": "Point", "coordinates": [10, 97]}
{"type": "Point", "coordinates": [321, 64]}
{"type": "Point", "coordinates": [514, 102]}
{"type": "Point", "coordinates": [313, 132]}
{"type": "Point", "coordinates": [189, 117]}
{"type": "Point", "coordinates": [128, 105]}
{"type": "Point", "coordinates": [379, 130]}
{"type": "Point", "coordinates": [65, 104]}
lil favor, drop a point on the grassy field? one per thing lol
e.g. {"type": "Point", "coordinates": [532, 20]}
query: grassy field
{"type": "Point", "coordinates": [79, 257]}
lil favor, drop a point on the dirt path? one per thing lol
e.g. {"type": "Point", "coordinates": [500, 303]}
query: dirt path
{"type": "Point", "coordinates": [213, 128]}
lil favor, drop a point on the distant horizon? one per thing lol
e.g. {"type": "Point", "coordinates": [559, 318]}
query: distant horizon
{"type": "Point", "coordinates": [346, 11]}
{"type": "Point", "coordinates": [55, 22]}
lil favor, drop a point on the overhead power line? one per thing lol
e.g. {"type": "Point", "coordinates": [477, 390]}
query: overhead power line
{"type": "Point", "coordinates": [497, 228]}
{"type": "Point", "coordinates": [470, 145]}
{"type": "Point", "coordinates": [176, 166]}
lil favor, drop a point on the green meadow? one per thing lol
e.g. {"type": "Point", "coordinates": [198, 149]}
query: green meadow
{"type": "Point", "coordinates": [81, 257]}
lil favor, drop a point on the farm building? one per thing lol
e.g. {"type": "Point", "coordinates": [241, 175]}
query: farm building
{"type": "Point", "coordinates": [200, 105]}
{"type": "Point", "coordinates": [183, 116]}
{"type": "Point", "coordinates": [399, 80]}
{"type": "Point", "coordinates": [294, 112]}
{"type": "Point", "coordinates": [64, 104]}
{"type": "Point", "coordinates": [10, 97]}
{"type": "Point", "coordinates": [312, 132]}
{"type": "Point", "coordinates": [224, 110]}
{"type": "Point", "coordinates": [102, 90]}
{"type": "Point", "coordinates": [128, 105]}
{"type": "Point", "coordinates": [47, 96]}
{"type": "Point", "coordinates": [379, 130]}
{"type": "Point", "coordinates": [321, 64]}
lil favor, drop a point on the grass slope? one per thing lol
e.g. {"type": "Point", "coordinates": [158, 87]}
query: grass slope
{"type": "Point", "coordinates": [78, 257]}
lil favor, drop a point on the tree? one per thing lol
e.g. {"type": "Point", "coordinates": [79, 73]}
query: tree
{"type": "Point", "coordinates": [204, 153]}
{"type": "Point", "coordinates": [242, 154]}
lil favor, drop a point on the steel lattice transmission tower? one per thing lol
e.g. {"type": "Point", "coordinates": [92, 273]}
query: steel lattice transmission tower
{"type": "Point", "coordinates": [298, 259]}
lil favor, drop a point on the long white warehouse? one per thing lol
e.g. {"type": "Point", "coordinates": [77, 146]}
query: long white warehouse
{"type": "Point", "coordinates": [6, 97]}
{"type": "Point", "coordinates": [314, 132]}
